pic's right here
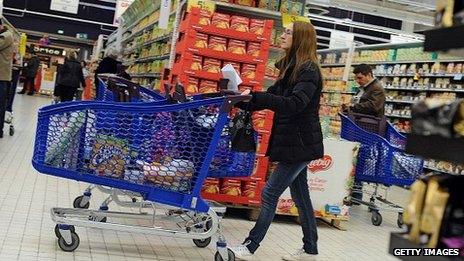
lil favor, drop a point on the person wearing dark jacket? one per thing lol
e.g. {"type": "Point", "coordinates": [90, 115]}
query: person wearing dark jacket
{"type": "Point", "coordinates": [110, 64]}
{"type": "Point", "coordinates": [30, 73]}
{"type": "Point", "coordinates": [296, 137]}
{"type": "Point", "coordinates": [70, 77]}
{"type": "Point", "coordinates": [371, 98]}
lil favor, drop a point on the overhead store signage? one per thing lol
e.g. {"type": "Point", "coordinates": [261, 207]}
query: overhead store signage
{"type": "Point", "coordinates": [49, 50]}
{"type": "Point", "coordinates": [207, 5]}
{"type": "Point", "coordinates": [340, 39]}
{"type": "Point", "coordinates": [121, 7]}
{"type": "Point", "coordinates": [66, 6]}
{"type": "Point", "coordinates": [289, 19]}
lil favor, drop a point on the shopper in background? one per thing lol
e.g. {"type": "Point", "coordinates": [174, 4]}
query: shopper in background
{"type": "Point", "coordinates": [70, 78]}
{"type": "Point", "coordinates": [6, 66]}
{"type": "Point", "coordinates": [85, 72]}
{"type": "Point", "coordinates": [30, 72]}
{"type": "Point", "coordinates": [371, 98]}
{"type": "Point", "coordinates": [14, 84]}
{"type": "Point", "coordinates": [109, 64]}
{"type": "Point", "coordinates": [296, 137]}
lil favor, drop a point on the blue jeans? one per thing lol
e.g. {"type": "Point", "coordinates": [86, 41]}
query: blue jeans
{"type": "Point", "coordinates": [284, 176]}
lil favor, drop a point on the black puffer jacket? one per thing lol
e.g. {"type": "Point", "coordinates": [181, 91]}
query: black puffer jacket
{"type": "Point", "coordinates": [70, 74]}
{"type": "Point", "coordinates": [296, 134]}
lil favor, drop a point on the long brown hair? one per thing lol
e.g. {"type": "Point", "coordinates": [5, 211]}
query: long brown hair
{"type": "Point", "coordinates": [303, 49]}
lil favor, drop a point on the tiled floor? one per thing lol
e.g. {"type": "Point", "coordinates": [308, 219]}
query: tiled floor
{"type": "Point", "coordinates": [26, 230]}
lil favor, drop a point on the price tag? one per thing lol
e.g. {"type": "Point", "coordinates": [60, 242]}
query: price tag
{"type": "Point", "coordinates": [288, 19]}
{"type": "Point", "coordinates": [458, 77]}
{"type": "Point", "coordinates": [206, 5]}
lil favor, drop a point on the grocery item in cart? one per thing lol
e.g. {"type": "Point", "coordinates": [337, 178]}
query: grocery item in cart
{"type": "Point", "coordinates": [240, 23]}
{"type": "Point", "coordinates": [212, 65]}
{"type": "Point", "coordinates": [109, 156]}
{"type": "Point", "coordinates": [196, 63]}
{"type": "Point", "coordinates": [201, 41]}
{"type": "Point", "coordinates": [217, 43]}
{"type": "Point", "coordinates": [221, 20]}
{"type": "Point", "coordinates": [249, 71]}
{"type": "Point", "coordinates": [257, 26]}
{"type": "Point", "coordinates": [254, 49]}
{"type": "Point", "coordinates": [237, 47]}
{"type": "Point", "coordinates": [171, 174]}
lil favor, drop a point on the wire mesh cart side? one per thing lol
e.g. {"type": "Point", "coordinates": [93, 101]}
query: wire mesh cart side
{"type": "Point", "coordinates": [381, 163]}
{"type": "Point", "coordinates": [113, 88]}
{"type": "Point", "coordinates": [162, 152]}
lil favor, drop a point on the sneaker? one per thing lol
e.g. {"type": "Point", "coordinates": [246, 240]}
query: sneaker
{"type": "Point", "coordinates": [8, 117]}
{"type": "Point", "coordinates": [241, 252]}
{"type": "Point", "coordinates": [299, 254]}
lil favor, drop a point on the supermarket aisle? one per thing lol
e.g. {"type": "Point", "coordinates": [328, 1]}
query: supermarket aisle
{"type": "Point", "coordinates": [26, 230]}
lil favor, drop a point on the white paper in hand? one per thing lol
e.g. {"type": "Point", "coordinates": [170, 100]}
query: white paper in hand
{"type": "Point", "coordinates": [229, 72]}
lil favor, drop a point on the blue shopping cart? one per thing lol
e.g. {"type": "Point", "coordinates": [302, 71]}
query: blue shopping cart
{"type": "Point", "coordinates": [381, 161]}
{"type": "Point", "coordinates": [112, 88]}
{"type": "Point", "coordinates": [161, 152]}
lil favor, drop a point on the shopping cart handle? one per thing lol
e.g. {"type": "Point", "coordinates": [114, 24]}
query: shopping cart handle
{"type": "Point", "coordinates": [231, 100]}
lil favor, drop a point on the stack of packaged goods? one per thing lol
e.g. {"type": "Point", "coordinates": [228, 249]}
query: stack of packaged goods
{"type": "Point", "coordinates": [207, 42]}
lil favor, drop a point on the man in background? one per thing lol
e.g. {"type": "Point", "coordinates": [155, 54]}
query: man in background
{"type": "Point", "coordinates": [371, 98]}
{"type": "Point", "coordinates": [6, 65]}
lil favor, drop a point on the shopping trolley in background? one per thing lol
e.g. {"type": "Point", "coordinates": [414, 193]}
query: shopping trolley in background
{"type": "Point", "coordinates": [161, 152]}
{"type": "Point", "coordinates": [381, 162]}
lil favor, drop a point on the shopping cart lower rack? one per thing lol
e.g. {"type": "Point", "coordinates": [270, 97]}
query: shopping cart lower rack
{"type": "Point", "coordinates": [381, 162]}
{"type": "Point", "coordinates": [161, 152]}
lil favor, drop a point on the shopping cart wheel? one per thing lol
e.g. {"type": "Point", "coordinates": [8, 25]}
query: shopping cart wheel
{"type": "Point", "coordinates": [202, 243]}
{"type": "Point", "coordinates": [77, 203]}
{"type": "Point", "coordinates": [12, 130]}
{"type": "Point", "coordinates": [57, 230]}
{"type": "Point", "coordinates": [69, 247]}
{"type": "Point", "coordinates": [376, 218]}
{"type": "Point", "coordinates": [399, 221]}
{"type": "Point", "coordinates": [230, 256]}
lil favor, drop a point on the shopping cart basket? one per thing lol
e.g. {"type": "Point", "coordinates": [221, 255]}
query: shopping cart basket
{"type": "Point", "coordinates": [381, 161]}
{"type": "Point", "coordinates": [113, 88]}
{"type": "Point", "coordinates": [162, 152]}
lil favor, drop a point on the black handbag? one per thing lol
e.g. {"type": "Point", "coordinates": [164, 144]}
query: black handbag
{"type": "Point", "coordinates": [242, 133]}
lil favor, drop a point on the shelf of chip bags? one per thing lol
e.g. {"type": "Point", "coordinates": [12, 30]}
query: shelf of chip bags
{"type": "Point", "coordinates": [201, 22]}
{"type": "Point", "coordinates": [253, 53]}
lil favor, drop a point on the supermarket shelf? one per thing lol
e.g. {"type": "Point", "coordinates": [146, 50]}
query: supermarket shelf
{"type": "Point", "coordinates": [216, 77]}
{"type": "Point", "coordinates": [394, 62]}
{"type": "Point", "coordinates": [153, 58]}
{"type": "Point", "coordinates": [220, 55]}
{"type": "Point", "coordinates": [420, 75]}
{"type": "Point", "coordinates": [146, 75]}
{"type": "Point", "coordinates": [440, 170]}
{"type": "Point", "coordinates": [140, 32]}
{"type": "Point", "coordinates": [250, 11]}
{"type": "Point", "coordinates": [397, 116]}
{"type": "Point", "coordinates": [422, 89]}
{"type": "Point", "coordinates": [158, 39]}
{"type": "Point", "coordinates": [231, 199]}
{"type": "Point", "coordinates": [401, 101]}
{"type": "Point", "coordinates": [129, 62]}
{"type": "Point", "coordinates": [341, 92]}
